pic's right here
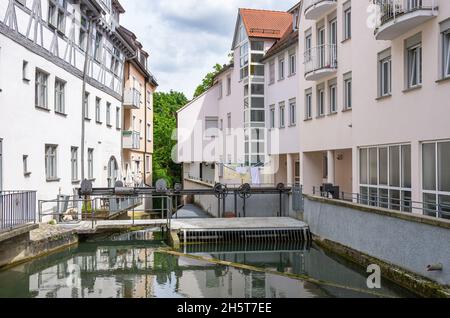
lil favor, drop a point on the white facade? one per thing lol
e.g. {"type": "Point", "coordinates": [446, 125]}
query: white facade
{"type": "Point", "coordinates": [376, 144]}
{"type": "Point", "coordinates": [31, 119]}
{"type": "Point", "coordinates": [236, 109]}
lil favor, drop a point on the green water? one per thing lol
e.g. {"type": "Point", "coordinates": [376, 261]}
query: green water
{"type": "Point", "coordinates": [120, 268]}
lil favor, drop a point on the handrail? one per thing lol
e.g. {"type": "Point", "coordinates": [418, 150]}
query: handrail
{"type": "Point", "coordinates": [320, 57]}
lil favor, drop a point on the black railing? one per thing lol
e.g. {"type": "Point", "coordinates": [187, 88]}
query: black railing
{"type": "Point", "coordinates": [17, 208]}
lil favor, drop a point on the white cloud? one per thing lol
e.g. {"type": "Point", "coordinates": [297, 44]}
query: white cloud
{"type": "Point", "coordinates": [185, 38]}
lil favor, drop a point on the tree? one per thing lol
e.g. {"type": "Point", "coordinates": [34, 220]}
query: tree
{"type": "Point", "coordinates": [208, 81]}
{"type": "Point", "coordinates": [165, 107]}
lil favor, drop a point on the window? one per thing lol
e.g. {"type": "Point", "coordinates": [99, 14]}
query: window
{"type": "Point", "coordinates": [60, 103]}
{"type": "Point", "coordinates": [436, 178]}
{"type": "Point", "coordinates": [308, 47]}
{"type": "Point", "coordinates": [51, 162]}
{"type": "Point", "coordinates": [292, 64]}
{"type": "Point", "coordinates": [308, 105]}
{"type": "Point", "coordinates": [385, 177]}
{"type": "Point", "coordinates": [98, 114]}
{"type": "Point", "coordinates": [118, 118]}
{"type": "Point", "coordinates": [292, 112]}
{"type": "Point", "coordinates": [333, 40]}
{"type": "Point", "coordinates": [98, 46]}
{"type": "Point", "coordinates": [26, 173]}
{"type": "Point", "coordinates": [148, 164]}
{"type": "Point", "coordinates": [57, 14]}
{"type": "Point", "coordinates": [90, 164]}
{"type": "Point", "coordinates": [220, 90]}
{"type": "Point", "coordinates": [25, 71]}
{"type": "Point", "coordinates": [108, 114]}
{"type": "Point", "coordinates": [320, 102]}
{"type": "Point", "coordinates": [228, 85]}
{"type": "Point", "coordinates": [385, 73]}
{"type": "Point", "coordinates": [229, 123]}
{"type": "Point", "coordinates": [272, 117]}
{"type": "Point", "coordinates": [272, 72]}
{"type": "Point", "coordinates": [244, 61]}
{"type": "Point", "coordinates": [149, 133]}
{"type": "Point", "coordinates": [211, 126]}
{"type": "Point", "coordinates": [41, 89]}
{"type": "Point", "coordinates": [348, 99]}
{"type": "Point", "coordinates": [282, 114]}
{"type": "Point", "coordinates": [281, 69]}
{"type": "Point", "coordinates": [414, 66]}
{"type": "Point", "coordinates": [82, 39]}
{"type": "Point", "coordinates": [74, 163]}
{"type": "Point", "coordinates": [347, 20]}
{"type": "Point", "coordinates": [115, 61]}
{"type": "Point", "coordinates": [446, 57]}
{"type": "Point", "coordinates": [332, 86]}
{"type": "Point", "coordinates": [257, 46]}
{"type": "Point", "coordinates": [86, 105]}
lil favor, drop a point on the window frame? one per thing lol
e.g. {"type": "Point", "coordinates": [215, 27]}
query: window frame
{"type": "Point", "coordinates": [51, 162]}
{"type": "Point", "coordinates": [41, 86]}
{"type": "Point", "coordinates": [60, 96]}
{"type": "Point", "coordinates": [414, 65]}
{"type": "Point", "coordinates": [74, 164]}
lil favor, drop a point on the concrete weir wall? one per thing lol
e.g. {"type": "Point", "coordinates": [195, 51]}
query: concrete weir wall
{"type": "Point", "coordinates": [409, 241]}
{"type": "Point", "coordinates": [23, 244]}
{"type": "Point", "coordinates": [258, 205]}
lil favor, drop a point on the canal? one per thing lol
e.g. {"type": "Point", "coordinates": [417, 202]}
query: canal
{"type": "Point", "coordinates": [135, 265]}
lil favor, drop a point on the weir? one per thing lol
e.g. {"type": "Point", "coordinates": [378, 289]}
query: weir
{"type": "Point", "coordinates": [236, 229]}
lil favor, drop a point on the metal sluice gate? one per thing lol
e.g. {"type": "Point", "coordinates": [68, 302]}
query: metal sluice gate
{"type": "Point", "coordinates": [192, 236]}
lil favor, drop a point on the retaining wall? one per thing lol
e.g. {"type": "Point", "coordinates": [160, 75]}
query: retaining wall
{"type": "Point", "coordinates": [405, 240]}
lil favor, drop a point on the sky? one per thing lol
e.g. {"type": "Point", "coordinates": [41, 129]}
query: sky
{"type": "Point", "coordinates": [186, 38]}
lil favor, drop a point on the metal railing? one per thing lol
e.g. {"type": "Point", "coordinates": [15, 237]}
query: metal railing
{"type": "Point", "coordinates": [391, 9]}
{"type": "Point", "coordinates": [131, 139]}
{"type": "Point", "coordinates": [132, 97]}
{"type": "Point", "coordinates": [320, 57]}
{"type": "Point", "coordinates": [433, 209]}
{"type": "Point", "coordinates": [311, 3]}
{"type": "Point", "coordinates": [69, 209]}
{"type": "Point", "coordinates": [17, 208]}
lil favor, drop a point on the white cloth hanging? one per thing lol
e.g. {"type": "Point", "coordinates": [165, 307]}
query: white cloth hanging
{"type": "Point", "coordinates": [256, 178]}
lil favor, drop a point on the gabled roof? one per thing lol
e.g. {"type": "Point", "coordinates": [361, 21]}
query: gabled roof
{"type": "Point", "coordinates": [265, 23]}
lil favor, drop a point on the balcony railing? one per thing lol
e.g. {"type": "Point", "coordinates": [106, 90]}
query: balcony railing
{"type": "Point", "coordinates": [399, 16]}
{"type": "Point", "coordinates": [131, 140]}
{"type": "Point", "coordinates": [314, 9]}
{"type": "Point", "coordinates": [17, 208]}
{"type": "Point", "coordinates": [132, 98]}
{"type": "Point", "coordinates": [320, 61]}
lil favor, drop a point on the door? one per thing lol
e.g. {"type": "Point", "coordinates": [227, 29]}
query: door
{"type": "Point", "coordinates": [321, 48]}
{"type": "Point", "coordinates": [113, 169]}
{"type": "Point", "coordinates": [333, 43]}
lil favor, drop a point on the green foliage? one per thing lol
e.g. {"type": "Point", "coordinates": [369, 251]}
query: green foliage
{"type": "Point", "coordinates": [208, 81]}
{"type": "Point", "coordinates": [165, 108]}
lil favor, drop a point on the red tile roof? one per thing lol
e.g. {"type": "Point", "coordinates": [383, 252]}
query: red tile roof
{"type": "Point", "coordinates": [266, 24]}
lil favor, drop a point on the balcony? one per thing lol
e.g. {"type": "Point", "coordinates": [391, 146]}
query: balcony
{"type": "Point", "coordinates": [399, 16]}
{"type": "Point", "coordinates": [314, 9]}
{"type": "Point", "coordinates": [132, 99]}
{"type": "Point", "coordinates": [320, 62]}
{"type": "Point", "coordinates": [131, 140]}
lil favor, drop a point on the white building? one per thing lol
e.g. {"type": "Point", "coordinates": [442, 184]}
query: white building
{"type": "Point", "coordinates": [60, 114]}
{"type": "Point", "coordinates": [223, 132]}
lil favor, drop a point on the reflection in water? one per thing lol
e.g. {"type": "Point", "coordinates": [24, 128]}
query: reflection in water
{"type": "Point", "coordinates": [138, 270]}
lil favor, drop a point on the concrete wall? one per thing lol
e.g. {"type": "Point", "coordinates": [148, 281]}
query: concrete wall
{"type": "Point", "coordinates": [405, 240]}
{"type": "Point", "coordinates": [258, 205]}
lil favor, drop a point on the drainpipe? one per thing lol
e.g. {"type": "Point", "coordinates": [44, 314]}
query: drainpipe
{"type": "Point", "coordinates": [83, 93]}
{"type": "Point", "coordinates": [145, 133]}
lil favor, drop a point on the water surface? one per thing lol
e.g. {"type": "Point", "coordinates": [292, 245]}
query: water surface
{"type": "Point", "coordinates": [121, 268]}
